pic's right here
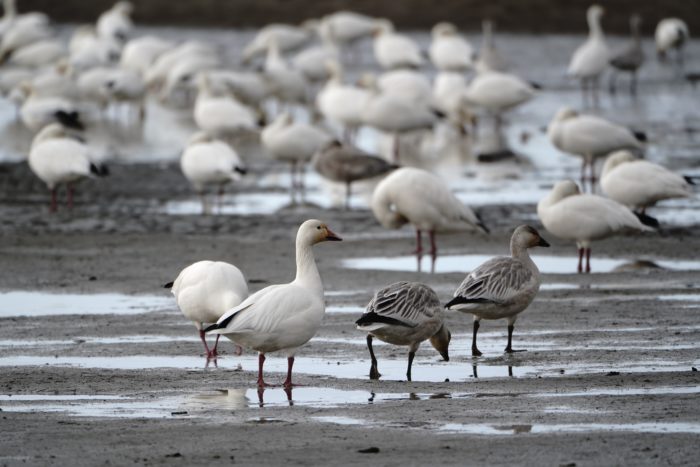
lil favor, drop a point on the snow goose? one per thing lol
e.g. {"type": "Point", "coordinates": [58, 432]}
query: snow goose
{"type": "Point", "coordinates": [56, 157]}
{"type": "Point", "coordinates": [411, 195]}
{"type": "Point", "coordinates": [287, 36]}
{"type": "Point", "coordinates": [347, 164]}
{"type": "Point", "coordinates": [448, 50]}
{"type": "Point", "coordinates": [449, 88]}
{"type": "Point", "coordinates": [405, 313]}
{"type": "Point", "coordinates": [208, 161]}
{"type": "Point", "coordinates": [570, 215]}
{"type": "Point", "coordinates": [39, 54]}
{"type": "Point", "coordinates": [221, 116]}
{"type": "Point", "coordinates": [588, 137]}
{"type": "Point", "coordinates": [490, 58]}
{"type": "Point", "coordinates": [205, 290]}
{"type": "Point", "coordinates": [502, 287]}
{"type": "Point", "coordinates": [115, 23]}
{"type": "Point", "coordinates": [39, 110]}
{"type": "Point", "coordinates": [287, 83]}
{"type": "Point", "coordinates": [408, 84]}
{"type": "Point", "coordinates": [639, 184]}
{"type": "Point", "coordinates": [181, 79]}
{"type": "Point", "coordinates": [22, 32]}
{"type": "Point", "coordinates": [140, 53]}
{"type": "Point", "coordinates": [393, 50]}
{"type": "Point", "coordinates": [592, 57]}
{"type": "Point", "coordinates": [340, 103]}
{"type": "Point", "coordinates": [629, 59]}
{"type": "Point", "coordinates": [671, 33]}
{"type": "Point", "coordinates": [282, 317]}
{"type": "Point", "coordinates": [497, 92]}
{"type": "Point", "coordinates": [293, 142]}
{"type": "Point", "coordinates": [312, 61]}
{"type": "Point", "coordinates": [88, 50]}
{"type": "Point", "coordinates": [346, 27]}
{"type": "Point", "coordinates": [251, 88]}
{"type": "Point", "coordinates": [157, 73]}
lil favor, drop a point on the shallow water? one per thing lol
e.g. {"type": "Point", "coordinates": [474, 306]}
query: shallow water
{"type": "Point", "coordinates": [32, 304]}
{"type": "Point", "coordinates": [499, 430]}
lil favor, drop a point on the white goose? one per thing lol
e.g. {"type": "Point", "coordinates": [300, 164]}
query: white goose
{"type": "Point", "coordinates": [448, 50]}
{"type": "Point", "coordinates": [282, 317]}
{"type": "Point", "coordinates": [411, 195]}
{"type": "Point", "coordinates": [449, 88]}
{"type": "Point", "coordinates": [588, 137]}
{"type": "Point", "coordinates": [408, 84]}
{"type": "Point", "coordinates": [405, 313]}
{"type": "Point", "coordinates": [502, 287]}
{"type": "Point", "coordinates": [287, 36]}
{"type": "Point", "coordinates": [220, 115]}
{"type": "Point", "coordinates": [639, 184]}
{"type": "Point", "coordinates": [490, 58]}
{"type": "Point", "coordinates": [158, 72]}
{"type": "Point", "coordinates": [140, 53]}
{"type": "Point", "coordinates": [56, 157]}
{"type": "Point", "coordinates": [205, 290]}
{"type": "Point", "coordinates": [671, 33]}
{"type": "Point", "coordinates": [497, 92]}
{"type": "Point", "coordinates": [346, 27]}
{"type": "Point", "coordinates": [286, 83]}
{"type": "Point", "coordinates": [39, 54]}
{"type": "Point", "coordinates": [592, 57]}
{"type": "Point", "coordinates": [115, 23]}
{"type": "Point", "coordinates": [39, 110]}
{"type": "Point", "coordinates": [23, 31]}
{"type": "Point", "coordinates": [208, 161]}
{"type": "Point", "coordinates": [311, 62]}
{"type": "Point", "coordinates": [293, 142]}
{"type": "Point", "coordinates": [570, 215]}
{"type": "Point", "coordinates": [393, 50]}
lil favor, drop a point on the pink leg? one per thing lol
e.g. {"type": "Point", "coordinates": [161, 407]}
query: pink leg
{"type": "Point", "coordinates": [71, 191]}
{"type": "Point", "coordinates": [433, 252]}
{"type": "Point", "coordinates": [580, 260]}
{"type": "Point", "coordinates": [204, 341]}
{"type": "Point", "coordinates": [419, 243]}
{"type": "Point", "coordinates": [588, 260]}
{"type": "Point", "coordinates": [216, 344]}
{"type": "Point", "coordinates": [290, 364]}
{"type": "Point", "coordinates": [261, 362]}
{"type": "Point", "coordinates": [54, 202]}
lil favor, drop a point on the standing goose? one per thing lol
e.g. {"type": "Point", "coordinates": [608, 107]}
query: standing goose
{"type": "Point", "coordinates": [282, 317]}
{"type": "Point", "coordinates": [405, 313]}
{"type": "Point", "coordinates": [209, 161]}
{"type": "Point", "coordinates": [490, 58]}
{"type": "Point", "coordinates": [497, 92]}
{"type": "Point", "coordinates": [411, 195]}
{"type": "Point", "coordinates": [56, 157]}
{"type": "Point", "coordinates": [205, 290]}
{"type": "Point", "coordinates": [220, 114]}
{"type": "Point", "coordinates": [588, 137]}
{"type": "Point", "coordinates": [346, 27]}
{"type": "Point", "coordinates": [671, 33]}
{"type": "Point", "coordinates": [342, 104]}
{"type": "Point", "coordinates": [502, 287]}
{"type": "Point", "coordinates": [639, 184]}
{"type": "Point", "coordinates": [393, 50]}
{"type": "Point", "coordinates": [629, 59]}
{"type": "Point", "coordinates": [448, 50]}
{"type": "Point", "coordinates": [592, 57]}
{"type": "Point", "coordinates": [570, 215]}
{"type": "Point", "coordinates": [346, 164]}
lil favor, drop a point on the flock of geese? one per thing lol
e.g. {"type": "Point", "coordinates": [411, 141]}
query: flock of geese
{"type": "Point", "coordinates": [289, 72]}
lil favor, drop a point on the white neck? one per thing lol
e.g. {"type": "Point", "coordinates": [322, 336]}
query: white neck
{"type": "Point", "coordinates": [594, 29]}
{"type": "Point", "coordinates": [307, 272]}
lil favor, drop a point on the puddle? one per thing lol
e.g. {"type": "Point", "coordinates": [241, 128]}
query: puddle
{"type": "Point", "coordinates": [655, 391]}
{"type": "Point", "coordinates": [145, 339]}
{"type": "Point", "coordinates": [644, 427]}
{"type": "Point", "coordinates": [31, 304]}
{"type": "Point", "coordinates": [62, 397]}
{"type": "Point", "coordinates": [357, 310]}
{"type": "Point", "coordinates": [464, 263]}
{"type": "Point", "coordinates": [342, 421]}
{"type": "Point", "coordinates": [245, 204]}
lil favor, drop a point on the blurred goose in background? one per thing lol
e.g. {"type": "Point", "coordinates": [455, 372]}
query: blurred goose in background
{"type": "Point", "coordinates": [181, 81]}
{"type": "Point", "coordinates": [22, 31]}
{"type": "Point", "coordinates": [448, 50]}
{"type": "Point", "coordinates": [405, 313]}
{"type": "Point", "coordinates": [219, 114]}
{"type": "Point", "coordinates": [311, 62]}
{"type": "Point", "coordinates": [407, 84]}
{"type": "Point", "coordinates": [39, 110]}
{"type": "Point", "coordinates": [592, 57]}
{"type": "Point", "coordinates": [490, 58]}
{"type": "Point", "coordinates": [286, 83]}
{"type": "Point", "coordinates": [629, 59]}
{"type": "Point", "coordinates": [502, 287]}
{"type": "Point", "coordinates": [158, 72]}
{"type": "Point", "coordinates": [287, 37]}
{"type": "Point", "coordinates": [640, 184]}
{"type": "Point", "coordinates": [393, 50]}
{"type": "Point", "coordinates": [570, 215]}
{"type": "Point", "coordinates": [295, 143]}
{"type": "Point", "coordinates": [56, 157]}
{"type": "Point", "coordinates": [207, 161]}
{"type": "Point", "coordinates": [140, 53]}
{"type": "Point", "coordinates": [89, 50]}
{"type": "Point", "coordinates": [449, 89]}
{"type": "Point", "coordinates": [589, 137]}
{"type": "Point", "coordinates": [497, 92]}
{"type": "Point", "coordinates": [282, 317]}
{"type": "Point", "coordinates": [11, 18]}
{"type": "Point", "coordinates": [347, 164]}
{"type": "Point", "coordinates": [115, 23]}
{"type": "Point", "coordinates": [671, 33]}
{"type": "Point", "coordinates": [346, 27]}
{"type": "Point", "coordinates": [416, 196]}
{"type": "Point", "coordinates": [204, 291]}
{"type": "Point", "coordinates": [39, 54]}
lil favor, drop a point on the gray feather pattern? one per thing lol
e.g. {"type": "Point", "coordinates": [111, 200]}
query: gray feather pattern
{"type": "Point", "coordinates": [410, 302]}
{"type": "Point", "coordinates": [497, 280]}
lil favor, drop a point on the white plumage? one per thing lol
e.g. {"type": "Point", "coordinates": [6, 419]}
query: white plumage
{"type": "Point", "coordinates": [282, 317]}
{"type": "Point", "coordinates": [287, 36]}
{"type": "Point", "coordinates": [115, 23]}
{"type": "Point", "coordinates": [448, 50]}
{"type": "Point", "coordinates": [671, 33]}
{"type": "Point", "coordinates": [221, 115]}
{"type": "Point", "coordinates": [340, 103]}
{"type": "Point", "coordinates": [393, 50]}
{"type": "Point", "coordinates": [593, 56]}
{"type": "Point", "coordinates": [345, 27]}
{"type": "Point", "coordinates": [497, 92]}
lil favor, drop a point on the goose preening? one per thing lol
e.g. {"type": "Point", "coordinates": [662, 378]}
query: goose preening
{"type": "Point", "coordinates": [282, 317]}
{"type": "Point", "coordinates": [489, 58]}
{"type": "Point", "coordinates": [295, 143]}
{"type": "Point", "coordinates": [205, 290]}
{"type": "Point", "coordinates": [448, 50]}
{"type": "Point", "coordinates": [639, 184]}
{"type": "Point", "coordinates": [347, 164]}
{"type": "Point", "coordinates": [38, 110]}
{"type": "Point", "coordinates": [589, 137]}
{"type": "Point", "coordinates": [393, 50]}
{"type": "Point", "coordinates": [671, 33]}
{"type": "Point", "coordinates": [502, 287]}
{"type": "Point", "coordinates": [56, 157]}
{"type": "Point", "coordinates": [207, 161]}
{"type": "Point", "coordinates": [418, 197]}
{"type": "Point", "coordinates": [405, 313]}
{"type": "Point", "coordinates": [629, 59]}
{"type": "Point", "coordinates": [592, 57]}
{"type": "Point", "coordinates": [571, 215]}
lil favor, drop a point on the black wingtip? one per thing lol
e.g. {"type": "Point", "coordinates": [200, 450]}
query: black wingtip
{"type": "Point", "coordinates": [240, 170]}
{"type": "Point", "coordinates": [647, 220]}
{"type": "Point", "coordinates": [372, 317]}
{"type": "Point", "coordinates": [212, 327]}
{"type": "Point", "coordinates": [690, 179]}
{"type": "Point", "coordinates": [169, 285]}
{"type": "Point", "coordinates": [640, 135]}
{"type": "Point", "coordinates": [536, 85]}
{"type": "Point", "coordinates": [69, 119]}
{"type": "Point", "coordinates": [455, 301]}
{"type": "Point", "coordinates": [439, 113]}
{"type": "Point", "coordinates": [99, 170]}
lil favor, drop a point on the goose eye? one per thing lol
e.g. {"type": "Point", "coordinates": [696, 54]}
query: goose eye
{"type": "Point", "coordinates": [318, 227]}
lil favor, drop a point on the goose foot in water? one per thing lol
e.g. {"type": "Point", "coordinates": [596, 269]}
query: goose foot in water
{"type": "Point", "coordinates": [475, 351]}
{"type": "Point", "coordinates": [373, 371]}
{"type": "Point", "coordinates": [509, 347]}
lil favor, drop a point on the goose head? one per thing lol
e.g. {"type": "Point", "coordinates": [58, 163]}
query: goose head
{"type": "Point", "coordinates": [383, 26]}
{"type": "Point", "coordinates": [444, 29]}
{"type": "Point", "coordinates": [125, 8]}
{"type": "Point", "coordinates": [594, 13]}
{"type": "Point", "coordinates": [525, 237]}
{"type": "Point", "coordinates": [441, 342]}
{"type": "Point", "coordinates": [564, 113]}
{"type": "Point", "coordinates": [315, 231]}
{"type": "Point", "coordinates": [617, 158]}
{"type": "Point", "coordinates": [564, 189]}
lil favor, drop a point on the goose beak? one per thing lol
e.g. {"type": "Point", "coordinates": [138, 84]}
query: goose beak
{"type": "Point", "coordinates": [543, 243]}
{"type": "Point", "coordinates": [332, 236]}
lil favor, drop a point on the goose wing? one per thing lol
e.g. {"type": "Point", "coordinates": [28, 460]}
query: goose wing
{"type": "Point", "coordinates": [499, 281]}
{"type": "Point", "coordinates": [403, 304]}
